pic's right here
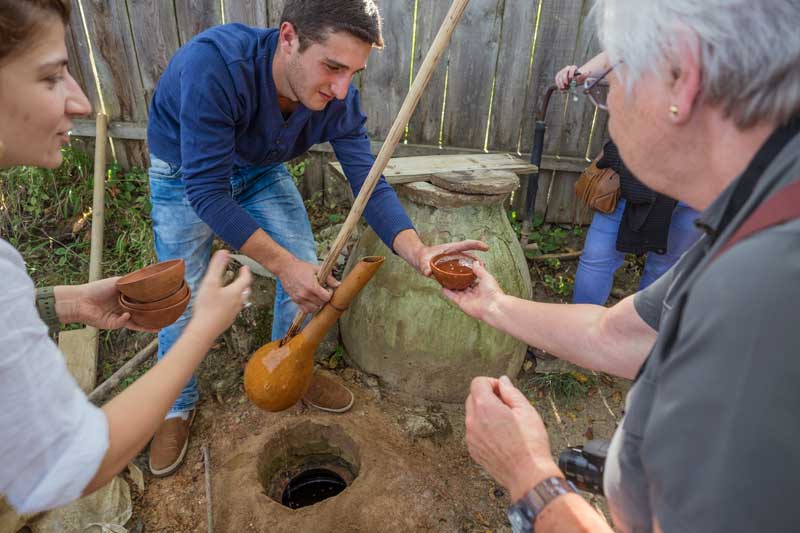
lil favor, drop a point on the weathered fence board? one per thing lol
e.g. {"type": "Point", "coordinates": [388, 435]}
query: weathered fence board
{"type": "Point", "coordinates": [513, 74]}
{"type": "Point", "coordinates": [155, 35]}
{"type": "Point", "coordinates": [385, 81]}
{"type": "Point", "coordinates": [250, 12]}
{"type": "Point", "coordinates": [488, 78]}
{"type": "Point", "coordinates": [555, 42]}
{"type": "Point", "coordinates": [74, 56]}
{"type": "Point", "coordinates": [115, 59]}
{"type": "Point", "coordinates": [473, 58]}
{"type": "Point", "coordinates": [578, 122]}
{"type": "Point", "coordinates": [275, 11]}
{"type": "Point", "coordinates": [195, 16]}
{"type": "Point", "coordinates": [425, 124]}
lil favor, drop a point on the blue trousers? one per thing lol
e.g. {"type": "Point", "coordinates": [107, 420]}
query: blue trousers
{"type": "Point", "coordinates": [600, 259]}
{"type": "Point", "coordinates": [269, 195]}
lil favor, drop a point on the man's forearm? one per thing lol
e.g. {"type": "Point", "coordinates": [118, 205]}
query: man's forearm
{"type": "Point", "coordinates": [613, 340]}
{"type": "Point", "coordinates": [408, 245]}
{"type": "Point", "coordinates": [271, 255]}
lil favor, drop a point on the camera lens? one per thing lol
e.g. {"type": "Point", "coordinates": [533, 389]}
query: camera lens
{"type": "Point", "coordinates": [581, 471]}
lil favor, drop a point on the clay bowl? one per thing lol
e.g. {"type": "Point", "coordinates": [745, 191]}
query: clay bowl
{"type": "Point", "coordinates": [156, 318]}
{"type": "Point", "coordinates": [453, 270]}
{"type": "Point", "coordinates": [169, 301]}
{"type": "Point", "coordinates": [154, 282]}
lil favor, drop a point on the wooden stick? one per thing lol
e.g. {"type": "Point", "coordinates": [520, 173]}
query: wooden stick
{"type": "Point", "coordinates": [563, 257]}
{"type": "Point", "coordinates": [387, 150]}
{"type": "Point", "coordinates": [106, 386]}
{"type": "Point", "coordinates": [98, 199]}
{"type": "Point", "coordinates": [209, 506]}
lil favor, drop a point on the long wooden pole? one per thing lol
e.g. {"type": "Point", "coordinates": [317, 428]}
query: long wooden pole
{"type": "Point", "coordinates": [387, 150]}
{"type": "Point", "coordinates": [98, 199]}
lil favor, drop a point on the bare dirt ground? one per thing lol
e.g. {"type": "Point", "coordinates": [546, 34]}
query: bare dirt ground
{"type": "Point", "coordinates": [415, 473]}
{"type": "Point", "coordinates": [410, 479]}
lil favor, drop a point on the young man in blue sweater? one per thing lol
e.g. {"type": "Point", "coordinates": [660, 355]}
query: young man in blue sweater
{"type": "Point", "coordinates": [233, 105]}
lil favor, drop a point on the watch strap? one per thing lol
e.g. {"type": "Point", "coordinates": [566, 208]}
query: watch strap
{"type": "Point", "coordinates": [46, 306]}
{"type": "Point", "coordinates": [531, 505]}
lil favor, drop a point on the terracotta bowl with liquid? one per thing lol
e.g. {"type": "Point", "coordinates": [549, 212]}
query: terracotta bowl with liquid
{"type": "Point", "coordinates": [453, 270]}
{"type": "Point", "coordinates": [154, 282]}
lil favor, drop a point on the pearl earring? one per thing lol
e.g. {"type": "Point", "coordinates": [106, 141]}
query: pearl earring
{"type": "Point", "coordinates": [673, 110]}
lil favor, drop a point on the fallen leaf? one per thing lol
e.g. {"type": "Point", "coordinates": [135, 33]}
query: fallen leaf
{"type": "Point", "coordinates": [589, 433]}
{"type": "Point", "coordinates": [579, 377]}
{"type": "Point", "coordinates": [527, 365]}
{"type": "Point", "coordinates": [591, 392]}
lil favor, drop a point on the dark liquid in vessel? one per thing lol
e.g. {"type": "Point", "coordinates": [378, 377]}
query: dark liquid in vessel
{"type": "Point", "coordinates": [454, 266]}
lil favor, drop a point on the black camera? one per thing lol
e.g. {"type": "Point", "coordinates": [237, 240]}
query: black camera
{"type": "Point", "coordinates": [584, 465]}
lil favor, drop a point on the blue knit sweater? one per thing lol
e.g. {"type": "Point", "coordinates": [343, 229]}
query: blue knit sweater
{"type": "Point", "coordinates": [216, 107]}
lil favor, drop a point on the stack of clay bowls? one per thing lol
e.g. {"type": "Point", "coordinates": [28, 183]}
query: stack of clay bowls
{"type": "Point", "coordinates": [453, 270]}
{"type": "Point", "coordinates": [155, 296]}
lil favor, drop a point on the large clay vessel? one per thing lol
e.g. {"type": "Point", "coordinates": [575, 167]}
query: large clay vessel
{"type": "Point", "coordinates": [403, 330]}
{"type": "Point", "coordinates": [276, 376]}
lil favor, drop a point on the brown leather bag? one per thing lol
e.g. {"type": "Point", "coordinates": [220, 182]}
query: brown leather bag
{"type": "Point", "coordinates": [598, 188]}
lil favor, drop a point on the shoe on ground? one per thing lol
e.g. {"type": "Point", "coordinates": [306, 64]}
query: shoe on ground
{"type": "Point", "coordinates": [327, 394]}
{"type": "Point", "coordinates": [169, 445]}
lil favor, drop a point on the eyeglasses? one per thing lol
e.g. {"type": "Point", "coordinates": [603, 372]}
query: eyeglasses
{"type": "Point", "coordinates": [596, 88]}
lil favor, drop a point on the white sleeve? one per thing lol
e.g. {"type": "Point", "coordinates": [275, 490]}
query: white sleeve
{"type": "Point", "coordinates": [52, 439]}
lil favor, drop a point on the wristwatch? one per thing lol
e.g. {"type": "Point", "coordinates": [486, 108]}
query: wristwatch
{"type": "Point", "coordinates": [46, 305]}
{"type": "Point", "coordinates": [523, 513]}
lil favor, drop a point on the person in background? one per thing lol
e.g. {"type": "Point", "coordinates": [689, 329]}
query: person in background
{"type": "Point", "coordinates": [234, 104]}
{"type": "Point", "coordinates": [54, 444]}
{"type": "Point", "coordinates": [708, 441]}
{"type": "Point", "coordinates": [644, 222]}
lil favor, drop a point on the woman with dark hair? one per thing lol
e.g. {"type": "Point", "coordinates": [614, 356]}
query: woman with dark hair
{"type": "Point", "coordinates": [55, 445]}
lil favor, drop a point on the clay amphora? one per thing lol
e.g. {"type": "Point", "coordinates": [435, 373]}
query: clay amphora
{"type": "Point", "coordinates": [276, 376]}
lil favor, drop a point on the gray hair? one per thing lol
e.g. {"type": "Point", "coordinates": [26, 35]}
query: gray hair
{"type": "Point", "coordinates": [749, 51]}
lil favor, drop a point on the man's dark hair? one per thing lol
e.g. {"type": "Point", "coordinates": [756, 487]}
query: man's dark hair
{"type": "Point", "coordinates": [314, 20]}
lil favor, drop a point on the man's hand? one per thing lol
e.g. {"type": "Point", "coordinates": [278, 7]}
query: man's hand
{"type": "Point", "coordinates": [481, 300]}
{"type": "Point", "coordinates": [429, 252]}
{"type": "Point", "coordinates": [94, 304]}
{"type": "Point", "coordinates": [408, 245]}
{"type": "Point", "coordinates": [299, 280]}
{"type": "Point", "coordinates": [507, 437]}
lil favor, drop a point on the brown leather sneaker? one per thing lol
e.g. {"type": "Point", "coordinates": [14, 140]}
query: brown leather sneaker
{"type": "Point", "coordinates": [169, 445]}
{"type": "Point", "coordinates": [326, 394]}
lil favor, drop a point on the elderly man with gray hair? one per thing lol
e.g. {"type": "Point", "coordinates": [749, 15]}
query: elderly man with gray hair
{"type": "Point", "coordinates": [704, 103]}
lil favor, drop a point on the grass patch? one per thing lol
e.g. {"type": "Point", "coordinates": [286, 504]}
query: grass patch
{"type": "Point", "coordinates": [46, 215]}
{"type": "Point", "coordinates": [568, 386]}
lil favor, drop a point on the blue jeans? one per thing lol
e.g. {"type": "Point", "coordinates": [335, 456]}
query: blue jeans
{"type": "Point", "coordinates": [269, 195]}
{"type": "Point", "coordinates": [600, 259]}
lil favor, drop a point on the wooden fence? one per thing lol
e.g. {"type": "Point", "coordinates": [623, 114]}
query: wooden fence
{"type": "Point", "coordinates": [484, 95]}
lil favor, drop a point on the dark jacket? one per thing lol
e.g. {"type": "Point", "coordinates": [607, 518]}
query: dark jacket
{"type": "Point", "coordinates": [647, 216]}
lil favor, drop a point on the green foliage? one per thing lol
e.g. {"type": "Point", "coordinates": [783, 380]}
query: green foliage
{"type": "Point", "coordinates": [297, 171]}
{"type": "Point", "coordinates": [565, 385]}
{"type": "Point", "coordinates": [46, 215]}
{"type": "Point", "coordinates": [559, 283]}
